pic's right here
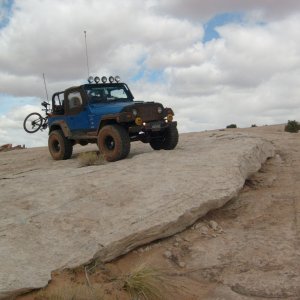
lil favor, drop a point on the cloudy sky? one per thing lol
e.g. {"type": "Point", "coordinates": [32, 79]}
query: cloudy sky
{"type": "Point", "coordinates": [214, 62]}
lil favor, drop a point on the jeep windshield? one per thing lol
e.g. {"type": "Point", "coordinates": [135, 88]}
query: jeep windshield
{"type": "Point", "coordinates": [107, 93]}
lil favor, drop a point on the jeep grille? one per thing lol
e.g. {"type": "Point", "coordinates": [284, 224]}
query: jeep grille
{"type": "Point", "coordinates": [147, 111]}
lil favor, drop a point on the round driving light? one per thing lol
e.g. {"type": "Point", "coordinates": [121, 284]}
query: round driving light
{"type": "Point", "coordinates": [134, 112]}
{"type": "Point", "coordinates": [117, 79]}
{"type": "Point", "coordinates": [159, 109]}
{"type": "Point", "coordinates": [97, 79]}
{"type": "Point", "coordinates": [138, 121]}
{"type": "Point", "coordinates": [111, 79]}
{"type": "Point", "coordinates": [90, 79]}
{"type": "Point", "coordinates": [170, 118]}
{"type": "Point", "coordinates": [104, 79]}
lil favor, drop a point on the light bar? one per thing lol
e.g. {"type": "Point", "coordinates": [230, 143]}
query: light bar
{"type": "Point", "coordinates": [104, 79]}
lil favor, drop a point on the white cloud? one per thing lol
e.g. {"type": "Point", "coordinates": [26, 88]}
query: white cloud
{"type": "Point", "coordinates": [204, 10]}
{"type": "Point", "coordinates": [47, 37]}
{"type": "Point", "coordinates": [12, 132]}
{"type": "Point", "coordinates": [251, 74]}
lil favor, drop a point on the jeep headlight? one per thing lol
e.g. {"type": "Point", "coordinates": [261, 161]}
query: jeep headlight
{"type": "Point", "coordinates": [134, 112]}
{"type": "Point", "coordinates": [111, 79]}
{"type": "Point", "coordinates": [170, 117]}
{"type": "Point", "coordinates": [90, 79]}
{"type": "Point", "coordinates": [97, 79]}
{"type": "Point", "coordinates": [159, 109]}
{"type": "Point", "coordinates": [138, 121]}
{"type": "Point", "coordinates": [104, 79]}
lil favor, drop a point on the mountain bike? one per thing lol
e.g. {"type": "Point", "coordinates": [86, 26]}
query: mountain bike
{"type": "Point", "coordinates": [34, 121]}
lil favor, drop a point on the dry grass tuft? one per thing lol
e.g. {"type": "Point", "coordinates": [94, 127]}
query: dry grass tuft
{"type": "Point", "coordinates": [72, 292]}
{"type": "Point", "coordinates": [90, 158]}
{"type": "Point", "coordinates": [147, 283]}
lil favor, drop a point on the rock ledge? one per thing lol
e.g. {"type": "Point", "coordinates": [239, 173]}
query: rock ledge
{"type": "Point", "coordinates": [55, 215]}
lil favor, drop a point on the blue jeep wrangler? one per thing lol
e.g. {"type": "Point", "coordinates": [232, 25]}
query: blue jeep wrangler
{"type": "Point", "coordinates": [106, 113]}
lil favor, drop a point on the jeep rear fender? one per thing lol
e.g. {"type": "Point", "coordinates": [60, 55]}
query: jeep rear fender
{"type": "Point", "coordinates": [60, 125]}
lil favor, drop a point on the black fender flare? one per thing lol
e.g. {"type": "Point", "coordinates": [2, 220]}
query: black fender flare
{"type": "Point", "coordinates": [62, 125]}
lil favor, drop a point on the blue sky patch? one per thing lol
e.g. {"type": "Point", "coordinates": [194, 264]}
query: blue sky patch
{"type": "Point", "coordinates": [138, 76]}
{"type": "Point", "coordinates": [210, 32]}
{"type": "Point", "coordinates": [155, 75]}
{"type": "Point", "coordinates": [8, 102]}
{"type": "Point", "coordinates": [5, 12]}
{"type": "Point", "coordinates": [149, 75]}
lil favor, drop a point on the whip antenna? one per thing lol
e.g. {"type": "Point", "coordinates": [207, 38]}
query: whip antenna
{"type": "Point", "coordinates": [86, 54]}
{"type": "Point", "coordinates": [45, 87]}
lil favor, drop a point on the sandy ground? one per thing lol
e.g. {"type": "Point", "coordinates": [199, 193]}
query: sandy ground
{"type": "Point", "coordinates": [248, 249]}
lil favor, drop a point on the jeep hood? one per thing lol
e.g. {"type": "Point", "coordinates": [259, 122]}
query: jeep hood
{"type": "Point", "coordinates": [110, 108]}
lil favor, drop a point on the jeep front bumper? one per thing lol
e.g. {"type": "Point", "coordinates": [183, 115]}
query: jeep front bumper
{"type": "Point", "coordinates": [153, 126]}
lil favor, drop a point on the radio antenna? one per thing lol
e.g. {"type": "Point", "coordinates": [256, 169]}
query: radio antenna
{"type": "Point", "coordinates": [45, 86]}
{"type": "Point", "coordinates": [86, 53]}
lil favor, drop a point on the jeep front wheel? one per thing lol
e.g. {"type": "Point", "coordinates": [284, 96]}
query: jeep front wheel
{"type": "Point", "coordinates": [157, 143]}
{"type": "Point", "coordinates": [114, 142]}
{"type": "Point", "coordinates": [59, 146]}
{"type": "Point", "coordinates": [168, 140]}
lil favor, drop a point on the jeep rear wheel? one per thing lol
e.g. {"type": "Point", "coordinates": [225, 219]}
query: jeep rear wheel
{"type": "Point", "coordinates": [114, 142]}
{"type": "Point", "coordinates": [59, 146]}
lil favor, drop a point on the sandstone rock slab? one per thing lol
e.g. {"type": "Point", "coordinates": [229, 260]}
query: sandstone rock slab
{"type": "Point", "coordinates": [56, 215]}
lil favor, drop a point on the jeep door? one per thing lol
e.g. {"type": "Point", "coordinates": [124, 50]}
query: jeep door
{"type": "Point", "coordinates": [76, 111]}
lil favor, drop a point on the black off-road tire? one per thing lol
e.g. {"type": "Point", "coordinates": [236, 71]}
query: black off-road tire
{"type": "Point", "coordinates": [168, 141]}
{"type": "Point", "coordinates": [114, 142]}
{"type": "Point", "coordinates": [59, 146]}
{"type": "Point", "coordinates": [170, 138]}
{"type": "Point", "coordinates": [33, 122]}
{"type": "Point", "coordinates": [156, 143]}
{"type": "Point", "coordinates": [83, 143]}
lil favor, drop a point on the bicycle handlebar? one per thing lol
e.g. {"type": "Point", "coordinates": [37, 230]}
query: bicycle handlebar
{"type": "Point", "coordinates": [45, 104]}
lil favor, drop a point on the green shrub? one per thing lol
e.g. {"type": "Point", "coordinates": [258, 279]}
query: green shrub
{"type": "Point", "coordinates": [90, 158]}
{"type": "Point", "coordinates": [292, 126]}
{"type": "Point", "coordinates": [231, 126]}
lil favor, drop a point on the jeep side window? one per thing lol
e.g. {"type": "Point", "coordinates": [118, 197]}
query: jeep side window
{"type": "Point", "coordinates": [58, 103]}
{"type": "Point", "coordinates": [75, 100]}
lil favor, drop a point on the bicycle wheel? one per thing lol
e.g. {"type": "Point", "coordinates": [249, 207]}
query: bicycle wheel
{"type": "Point", "coordinates": [33, 122]}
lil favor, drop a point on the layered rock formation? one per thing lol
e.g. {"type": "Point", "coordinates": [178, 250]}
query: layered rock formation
{"type": "Point", "coordinates": [56, 215]}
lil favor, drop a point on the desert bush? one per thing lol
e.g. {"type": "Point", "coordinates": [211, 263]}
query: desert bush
{"type": "Point", "coordinates": [147, 283]}
{"type": "Point", "coordinates": [90, 158]}
{"type": "Point", "coordinates": [72, 292]}
{"type": "Point", "coordinates": [231, 126]}
{"type": "Point", "coordinates": [253, 125]}
{"type": "Point", "coordinates": [292, 126]}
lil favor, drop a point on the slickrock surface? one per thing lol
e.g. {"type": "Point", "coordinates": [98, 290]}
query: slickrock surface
{"type": "Point", "coordinates": [56, 215]}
